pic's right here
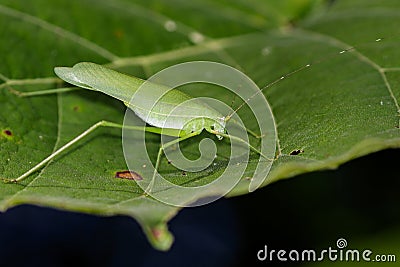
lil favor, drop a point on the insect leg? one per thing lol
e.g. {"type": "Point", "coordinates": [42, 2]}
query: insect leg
{"type": "Point", "coordinates": [44, 92]}
{"type": "Point", "coordinates": [248, 130]}
{"type": "Point", "coordinates": [160, 152]}
{"type": "Point", "coordinates": [239, 140]}
{"type": "Point", "coordinates": [253, 133]}
{"type": "Point", "coordinates": [71, 143]}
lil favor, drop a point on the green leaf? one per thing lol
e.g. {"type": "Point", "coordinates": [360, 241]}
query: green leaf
{"type": "Point", "coordinates": [342, 107]}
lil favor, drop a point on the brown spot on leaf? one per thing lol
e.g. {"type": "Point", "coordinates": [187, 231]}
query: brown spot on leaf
{"type": "Point", "coordinates": [296, 152]}
{"type": "Point", "coordinates": [76, 108]}
{"type": "Point", "coordinates": [119, 33]}
{"type": "Point", "coordinates": [129, 175]}
{"type": "Point", "coordinates": [184, 173]}
{"type": "Point", "coordinates": [7, 132]}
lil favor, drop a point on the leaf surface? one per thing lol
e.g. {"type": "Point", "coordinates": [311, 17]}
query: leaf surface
{"type": "Point", "coordinates": [342, 107]}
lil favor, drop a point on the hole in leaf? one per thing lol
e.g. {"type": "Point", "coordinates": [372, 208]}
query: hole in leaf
{"type": "Point", "coordinates": [296, 152]}
{"type": "Point", "coordinates": [7, 132]}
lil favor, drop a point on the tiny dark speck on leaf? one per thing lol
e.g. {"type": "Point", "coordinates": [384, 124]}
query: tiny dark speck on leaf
{"type": "Point", "coordinates": [76, 108]}
{"type": "Point", "coordinates": [7, 132]}
{"type": "Point", "coordinates": [296, 152]}
{"type": "Point", "coordinates": [184, 173]}
{"type": "Point", "coordinates": [130, 175]}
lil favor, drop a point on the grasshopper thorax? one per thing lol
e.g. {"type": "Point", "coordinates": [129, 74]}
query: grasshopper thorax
{"type": "Point", "coordinates": [214, 125]}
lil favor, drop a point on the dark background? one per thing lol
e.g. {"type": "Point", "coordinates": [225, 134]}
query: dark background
{"type": "Point", "coordinates": [358, 201]}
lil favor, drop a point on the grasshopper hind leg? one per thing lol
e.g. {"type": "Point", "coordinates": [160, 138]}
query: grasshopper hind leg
{"type": "Point", "coordinates": [73, 142]}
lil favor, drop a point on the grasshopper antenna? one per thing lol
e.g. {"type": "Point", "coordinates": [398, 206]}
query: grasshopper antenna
{"type": "Point", "coordinates": [289, 74]}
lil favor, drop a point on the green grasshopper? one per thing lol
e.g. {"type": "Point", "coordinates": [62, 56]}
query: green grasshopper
{"type": "Point", "coordinates": [122, 87]}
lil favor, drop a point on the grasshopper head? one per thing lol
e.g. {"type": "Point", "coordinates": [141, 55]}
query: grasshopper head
{"type": "Point", "coordinates": [219, 127]}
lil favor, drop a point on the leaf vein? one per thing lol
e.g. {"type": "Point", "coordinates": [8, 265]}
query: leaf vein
{"type": "Point", "coordinates": [58, 31]}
